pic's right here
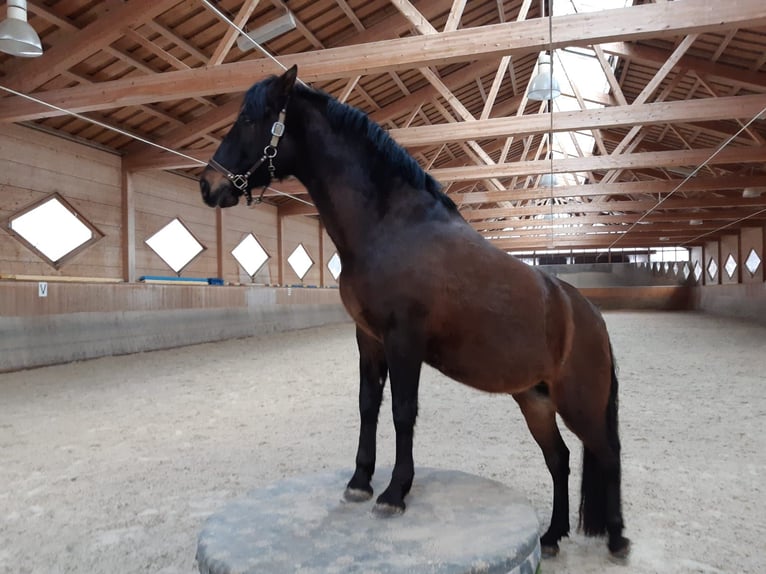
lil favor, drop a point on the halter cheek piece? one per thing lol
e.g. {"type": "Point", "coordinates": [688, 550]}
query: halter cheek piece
{"type": "Point", "coordinates": [269, 153]}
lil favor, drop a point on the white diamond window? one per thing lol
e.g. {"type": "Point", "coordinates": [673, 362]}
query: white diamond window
{"type": "Point", "coordinates": [675, 268]}
{"type": "Point", "coordinates": [334, 266]}
{"type": "Point", "coordinates": [752, 262]}
{"type": "Point", "coordinates": [250, 254]}
{"type": "Point", "coordinates": [731, 266]}
{"type": "Point", "coordinates": [53, 229]}
{"type": "Point", "coordinates": [175, 245]}
{"type": "Point", "coordinates": [686, 269]}
{"type": "Point", "coordinates": [697, 270]}
{"type": "Point", "coordinates": [712, 269]}
{"type": "Point", "coordinates": [300, 261]}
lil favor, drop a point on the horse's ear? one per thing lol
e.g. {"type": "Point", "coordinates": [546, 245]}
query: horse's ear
{"type": "Point", "coordinates": [287, 81]}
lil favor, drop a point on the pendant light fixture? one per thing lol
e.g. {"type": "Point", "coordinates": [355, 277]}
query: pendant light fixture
{"type": "Point", "coordinates": [17, 37]}
{"type": "Point", "coordinates": [267, 32]}
{"type": "Point", "coordinates": [544, 86]}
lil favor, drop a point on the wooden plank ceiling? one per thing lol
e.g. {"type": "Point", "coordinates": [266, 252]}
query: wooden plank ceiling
{"type": "Point", "coordinates": [448, 79]}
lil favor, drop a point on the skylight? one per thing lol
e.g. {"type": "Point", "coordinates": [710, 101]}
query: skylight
{"type": "Point", "coordinates": [579, 65]}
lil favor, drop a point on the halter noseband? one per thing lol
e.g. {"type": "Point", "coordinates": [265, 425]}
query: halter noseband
{"type": "Point", "coordinates": [269, 153]}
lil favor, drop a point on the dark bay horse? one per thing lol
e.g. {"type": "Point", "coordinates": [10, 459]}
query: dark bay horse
{"type": "Point", "coordinates": [423, 286]}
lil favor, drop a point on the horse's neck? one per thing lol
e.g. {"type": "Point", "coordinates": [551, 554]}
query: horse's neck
{"type": "Point", "coordinates": [349, 200]}
{"type": "Point", "coordinates": [347, 217]}
{"type": "Point", "coordinates": [348, 213]}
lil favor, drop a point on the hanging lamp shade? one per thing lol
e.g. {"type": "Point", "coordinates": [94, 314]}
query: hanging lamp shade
{"type": "Point", "coordinates": [544, 86]}
{"type": "Point", "coordinates": [17, 37]}
{"type": "Point", "coordinates": [267, 32]}
{"type": "Point", "coordinates": [548, 180]}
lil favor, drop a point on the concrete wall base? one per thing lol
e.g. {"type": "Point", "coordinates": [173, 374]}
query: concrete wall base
{"type": "Point", "coordinates": [741, 301]}
{"type": "Point", "coordinates": [40, 339]}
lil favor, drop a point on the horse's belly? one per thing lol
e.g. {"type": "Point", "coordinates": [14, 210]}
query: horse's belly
{"type": "Point", "coordinates": [490, 370]}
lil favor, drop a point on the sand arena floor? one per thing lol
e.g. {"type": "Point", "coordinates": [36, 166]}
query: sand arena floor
{"type": "Point", "coordinates": [112, 465]}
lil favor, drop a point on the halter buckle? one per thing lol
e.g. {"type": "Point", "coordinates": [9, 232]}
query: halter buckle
{"type": "Point", "coordinates": [270, 152]}
{"type": "Point", "coordinates": [238, 181]}
{"type": "Point", "coordinates": [278, 129]}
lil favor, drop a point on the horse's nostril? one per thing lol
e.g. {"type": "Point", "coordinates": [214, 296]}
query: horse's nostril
{"type": "Point", "coordinates": [204, 187]}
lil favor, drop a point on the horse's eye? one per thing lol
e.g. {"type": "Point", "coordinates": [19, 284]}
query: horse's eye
{"type": "Point", "coordinates": [248, 121]}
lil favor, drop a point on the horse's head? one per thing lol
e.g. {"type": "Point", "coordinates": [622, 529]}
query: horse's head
{"type": "Point", "coordinates": [250, 154]}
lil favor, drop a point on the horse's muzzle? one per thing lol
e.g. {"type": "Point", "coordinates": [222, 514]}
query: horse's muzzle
{"type": "Point", "coordinates": [217, 191]}
{"type": "Point", "coordinates": [207, 196]}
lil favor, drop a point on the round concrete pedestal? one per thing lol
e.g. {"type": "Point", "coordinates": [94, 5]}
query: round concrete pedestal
{"type": "Point", "coordinates": [454, 523]}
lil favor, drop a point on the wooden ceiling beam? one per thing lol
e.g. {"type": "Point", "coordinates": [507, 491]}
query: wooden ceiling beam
{"type": "Point", "coordinates": [501, 69]}
{"type": "Point", "coordinates": [706, 209]}
{"type": "Point", "coordinates": [562, 230]}
{"type": "Point", "coordinates": [216, 118]}
{"type": "Point", "coordinates": [639, 207]}
{"type": "Point", "coordinates": [496, 226]}
{"type": "Point", "coordinates": [651, 159]}
{"type": "Point", "coordinates": [611, 79]}
{"type": "Point", "coordinates": [739, 155]}
{"type": "Point", "coordinates": [231, 34]}
{"type": "Point", "coordinates": [617, 116]}
{"type": "Point", "coordinates": [748, 79]}
{"type": "Point", "coordinates": [596, 237]}
{"type": "Point", "coordinates": [455, 13]}
{"type": "Point", "coordinates": [418, 21]}
{"type": "Point", "coordinates": [452, 81]}
{"type": "Point", "coordinates": [226, 113]}
{"type": "Point", "coordinates": [513, 38]}
{"type": "Point", "coordinates": [350, 14]}
{"type": "Point", "coordinates": [182, 43]}
{"type": "Point", "coordinates": [697, 184]}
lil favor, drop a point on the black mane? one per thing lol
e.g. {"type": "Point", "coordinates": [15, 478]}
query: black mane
{"type": "Point", "coordinates": [350, 119]}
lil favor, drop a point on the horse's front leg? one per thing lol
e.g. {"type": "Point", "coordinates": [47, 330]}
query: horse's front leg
{"type": "Point", "coordinates": [404, 356]}
{"type": "Point", "coordinates": [372, 379]}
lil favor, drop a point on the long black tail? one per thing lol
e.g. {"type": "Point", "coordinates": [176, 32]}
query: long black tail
{"type": "Point", "coordinates": [597, 474]}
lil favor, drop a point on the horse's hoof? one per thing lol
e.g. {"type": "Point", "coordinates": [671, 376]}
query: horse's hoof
{"type": "Point", "coordinates": [385, 510]}
{"type": "Point", "coordinates": [619, 551]}
{"type": "Point", "coordinates": [356, 495]}
{"type": "Point", "coordinates": [549, 550]}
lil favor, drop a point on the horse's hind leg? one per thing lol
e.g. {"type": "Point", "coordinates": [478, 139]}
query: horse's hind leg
{"type": "Point", "coordinates": [600, 504]}
{"type": "Point", "coordinates": [372, 379]}
{"type": "Point", "coordinates": [540, 415]}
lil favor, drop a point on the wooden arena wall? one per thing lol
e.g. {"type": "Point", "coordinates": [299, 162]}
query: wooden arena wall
{"type": "Point", "coordinates": [33, 165]}
{"type": "Point", "coordinates": [96, 305]}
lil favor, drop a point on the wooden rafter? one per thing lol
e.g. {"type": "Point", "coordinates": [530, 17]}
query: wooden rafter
{"type": "Point", "coordinates": [651, 20]}
{"type": "Point", "coordinates": [467, 123]}
{"type": "Point", "coordinates": [230, 35]}
{"type": "Point", "coordinates": [455, 13]}
{"type": "Point", "coordinates": [751, 80]}
{"type": "Point", "coordinates": [730, 182]}
{"type": "Point", "coordinates": [653, 113]}
{"type": "Point", "coordinates": [635, 160]}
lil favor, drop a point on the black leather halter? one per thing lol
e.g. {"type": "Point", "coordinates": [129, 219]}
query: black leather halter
{"type": "Point", "coordinates": [269, 153]}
